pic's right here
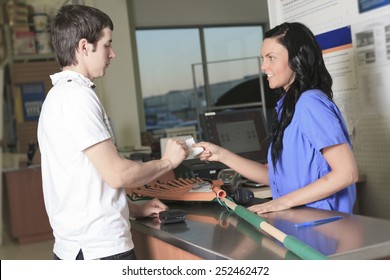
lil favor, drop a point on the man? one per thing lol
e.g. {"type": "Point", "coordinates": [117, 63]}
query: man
{"type": "Point", "coordinates": [83, 175]}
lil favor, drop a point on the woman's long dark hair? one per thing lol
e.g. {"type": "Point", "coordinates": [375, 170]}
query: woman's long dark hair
{"type": "Point", "coordinates": [306, 61]}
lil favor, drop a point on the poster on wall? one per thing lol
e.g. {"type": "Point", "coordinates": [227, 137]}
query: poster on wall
{"type": "Point", "coordinates": [33, 95]}
{"type": "Point", "coordinates": [368, 5]}
{"type": "Point", "coordinates": [309, 12]}
{"type": "Point", "coordinates": [372, 48]}
{"type": "Point", "coordinates": [338, 55]}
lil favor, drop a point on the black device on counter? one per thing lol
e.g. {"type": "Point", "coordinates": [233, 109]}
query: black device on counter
{"type": "Point", "coordinates": [243, 196]}
{"type": "Point", "coordinates": [172, 216]}
{"type": "Point", "coordinates": [192, 168]}
{"type": "Point", "coordinates": [231, 180]}
{"type": "Point", "coordinates": [232, 185]}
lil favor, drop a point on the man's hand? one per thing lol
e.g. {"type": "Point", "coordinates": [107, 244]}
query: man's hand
{"type": "Point", "coordinates": [150, 208]}
{"type": "Point", "coordinates": [175, 151]}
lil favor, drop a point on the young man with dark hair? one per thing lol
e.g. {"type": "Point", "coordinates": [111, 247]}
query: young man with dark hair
{"type": "Point", "coordinates": [83, 174]}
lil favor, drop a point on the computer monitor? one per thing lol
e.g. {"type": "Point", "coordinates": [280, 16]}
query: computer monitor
{"type": "Point", "coordinates": [242, 131]}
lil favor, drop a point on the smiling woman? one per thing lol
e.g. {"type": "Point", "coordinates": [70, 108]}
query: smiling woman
{"type": "Point", "coordinates": [275, 64]}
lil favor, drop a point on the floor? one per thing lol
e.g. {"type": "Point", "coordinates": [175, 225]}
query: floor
{"type": "Point", "coordinates": [11, 250]}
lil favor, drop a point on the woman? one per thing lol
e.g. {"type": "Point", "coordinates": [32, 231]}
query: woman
{"type": "Point", "coordinates": [310, 161]}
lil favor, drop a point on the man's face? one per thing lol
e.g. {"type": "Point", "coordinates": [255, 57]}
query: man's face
{"type": "Point", "coordinates": [100, 56]}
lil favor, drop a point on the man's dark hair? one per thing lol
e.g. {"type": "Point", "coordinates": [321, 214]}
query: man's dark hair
{"type": "Point", "coordinates": [73, 23]}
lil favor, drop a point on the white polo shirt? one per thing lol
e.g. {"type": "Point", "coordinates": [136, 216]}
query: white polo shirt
{"type": "Point", "coordinates": [84, 212]}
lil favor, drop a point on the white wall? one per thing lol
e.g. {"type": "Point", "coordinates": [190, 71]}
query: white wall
{"type": "Point", "coordinates": [189, 12]}
{"type": "Point", "coordinates": [118, 87]}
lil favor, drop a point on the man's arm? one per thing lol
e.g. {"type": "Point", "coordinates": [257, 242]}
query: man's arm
{"type": "Point", "coordinates": [119, 172]}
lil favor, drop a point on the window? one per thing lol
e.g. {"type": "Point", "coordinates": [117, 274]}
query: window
{"type": "Point", "coordinates": [180, 74]}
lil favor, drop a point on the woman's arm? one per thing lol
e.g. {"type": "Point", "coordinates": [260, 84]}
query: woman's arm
{"type": "Point", "coordinates": [248, 168]}
{"type": "Point", "coordinates": [343, 173]}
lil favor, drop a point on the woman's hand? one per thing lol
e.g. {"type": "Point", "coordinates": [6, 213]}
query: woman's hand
{"type": "Point", "coordinates": [211, 152]}
{"type": "Point", "coordinates": [270, 206]}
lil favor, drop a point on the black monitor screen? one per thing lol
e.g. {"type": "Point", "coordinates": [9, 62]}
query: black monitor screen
{"type": "Point", "coordinates": [243, 132]}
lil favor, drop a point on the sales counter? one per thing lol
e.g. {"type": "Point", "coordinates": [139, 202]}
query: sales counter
{"type": "Point", "coordinates": [211, 231]}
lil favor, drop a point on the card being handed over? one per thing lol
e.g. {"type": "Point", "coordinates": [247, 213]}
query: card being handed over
{"type": "Point", "coordinates": [193, 151]}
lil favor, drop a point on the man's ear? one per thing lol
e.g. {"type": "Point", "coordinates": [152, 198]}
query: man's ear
{"type": "Point", "coordinates": [83, 46]}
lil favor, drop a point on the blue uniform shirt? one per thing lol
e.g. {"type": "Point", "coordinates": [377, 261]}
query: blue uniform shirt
{"type": "Point", "coordinates": [317, 123]}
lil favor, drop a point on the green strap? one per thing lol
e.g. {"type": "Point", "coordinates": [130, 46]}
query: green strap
{"type": "Point", "coordinates": [296, 246]}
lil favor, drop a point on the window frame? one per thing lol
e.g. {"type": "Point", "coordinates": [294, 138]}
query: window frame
{"type": "Point", "coordinates": [201, 28]}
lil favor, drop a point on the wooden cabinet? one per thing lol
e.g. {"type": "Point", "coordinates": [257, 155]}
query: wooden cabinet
{"type": "Point", "coordinates": [25, 213]}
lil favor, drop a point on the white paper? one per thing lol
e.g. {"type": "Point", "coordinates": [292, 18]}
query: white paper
{"type": "Point", "coordinates": [193, 151]}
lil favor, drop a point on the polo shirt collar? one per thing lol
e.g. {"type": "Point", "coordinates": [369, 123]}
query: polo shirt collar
{"type": "Point", "coordinates": [68, 75]}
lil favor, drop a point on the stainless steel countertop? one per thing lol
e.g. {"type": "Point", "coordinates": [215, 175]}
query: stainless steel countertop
{"type": "Point", "coordinates": [211, 231]}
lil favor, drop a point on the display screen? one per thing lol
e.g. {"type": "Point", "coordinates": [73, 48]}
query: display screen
{"type": "Point", "coordinates": [242, 131]}
{"type": "Point", "coordinates": [239, 137]}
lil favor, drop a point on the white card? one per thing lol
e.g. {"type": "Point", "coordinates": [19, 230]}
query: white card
{"type": "Point", "coordinates": [193, 151]}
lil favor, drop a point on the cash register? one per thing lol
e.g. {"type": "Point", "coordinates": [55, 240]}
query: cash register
{"type": "Point", "coordinates": [242, 131]}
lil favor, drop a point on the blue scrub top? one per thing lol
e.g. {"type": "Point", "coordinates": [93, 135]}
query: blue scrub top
{"type": "Point", "coordinates": [317, 123]}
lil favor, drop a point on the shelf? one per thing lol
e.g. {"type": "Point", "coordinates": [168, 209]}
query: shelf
{"type": "Point", "coordinates": [33, 57]}
{"type": "Point", "coordinates": [11, 57]}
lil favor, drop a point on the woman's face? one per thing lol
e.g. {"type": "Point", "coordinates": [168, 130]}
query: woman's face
{"type": "Point", "coordinates": [275, 64]}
